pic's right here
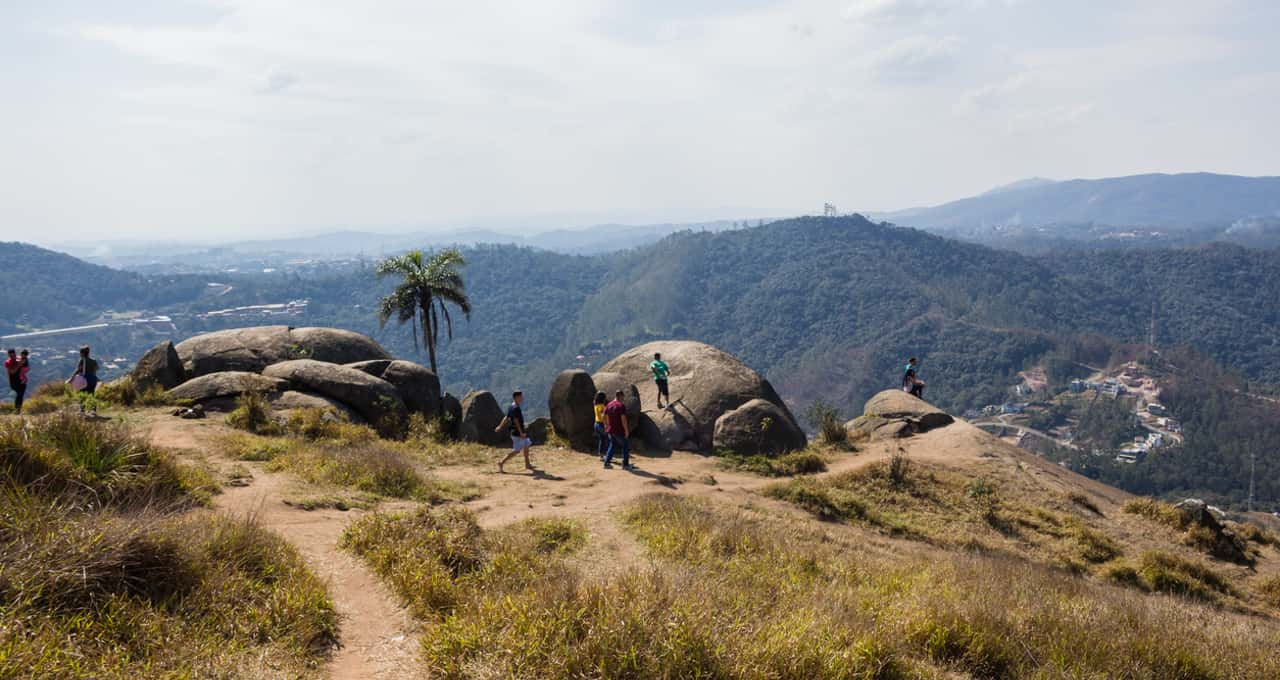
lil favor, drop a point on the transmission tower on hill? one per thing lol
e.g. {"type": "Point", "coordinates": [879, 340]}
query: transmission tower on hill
{"type": "Point", "coordinates": [829, 210]}
{"type": "Point", "coordinates": [1151, 338]}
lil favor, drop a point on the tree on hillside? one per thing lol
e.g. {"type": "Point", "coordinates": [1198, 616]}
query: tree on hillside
{"type": "Point", "coordinates": [427, 287]}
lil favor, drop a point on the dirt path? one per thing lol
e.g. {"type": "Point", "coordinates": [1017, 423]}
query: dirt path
{"type": "Point", "coordinates": [379, 638]}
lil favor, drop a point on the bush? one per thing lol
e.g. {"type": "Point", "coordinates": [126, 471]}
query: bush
{"type": "Point", "coordinates": [253, 414]}
{"type": "Point", "coordinates": [1166, 573]}
{"type": "Point", "coordinates": [320, 423]}
{"type": "Point", "coordinates": [125, 392]}
{"type": "Point", "coordinates": [1085, 502]}
{"type": "Point", "coordinates": [826, 419]}
{"type": "Point", "coordinates": [1270, 591]}
{"type": "Point", "coordinates": [786, 465]}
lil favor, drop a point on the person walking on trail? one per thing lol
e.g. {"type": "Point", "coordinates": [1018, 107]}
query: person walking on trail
{"type": "Point", "coordinates": [911, 381]}
{"type": "Point", "coordinates": [13, 365]}
{"type": "Point", "coordinates": [619, 432]}
{"type": "Point", "coordinates": [602, 437]}
{"type": "Point", "coordinates": [85, 380]}
{"type": "Point", "coordinates": [660, 372]}
{"type": "Point", "coordinates": [520, 442]}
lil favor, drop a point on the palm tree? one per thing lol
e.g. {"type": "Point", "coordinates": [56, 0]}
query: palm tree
{"type": "Point", "coordinates": [421, 297]}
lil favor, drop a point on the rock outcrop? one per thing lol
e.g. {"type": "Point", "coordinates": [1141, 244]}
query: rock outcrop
{"type": "Point", "coordinates": [480, 415]}
{"type": "Point", "coordinates": [418, 387]}
{"type": "Point", "coordinates": [225, 386]}
{"type": "Point", "coordinates": [375, 399]}
{"type": "Point", "coordinates": [253, 349]}
{"type": "Point", "coordinates": [894, 413]}
{"type": "Point", "coordinates": [705, 383]}
{"type": "Point", "coordinates": [292, 400]}
{"type": "Point", "coordinates": [570, 404]}
{"type": "Point", "coordinates": [451, 415]}
{"type": "Point", "coordinates": [161, 366]}
{"type": "Point", "coordinates": [758, 426]}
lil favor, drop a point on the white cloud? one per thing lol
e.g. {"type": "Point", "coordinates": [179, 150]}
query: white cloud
{"type": "Point", "coordinates": [915, 59]}
{"type": "Point", "coordinates": [399, 112]}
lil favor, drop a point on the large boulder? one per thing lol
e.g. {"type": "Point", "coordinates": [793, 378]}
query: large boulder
{"type": "Point", "coordinates": [610, 383]}
{"type": "Point", "coordinates": [480, 415]}
{"type": "Point", "coordinates": [292, 400]}
{"type": "Point", "coordinates": [900, 405]}
{"type": "Point", "coordinates": [451, 415]}
{"type": "Point", "coordinates": [161, 366]}
{"type": "Point", "coordinates": [335, 345]}
{"type": "Point", "coordinates": [758, 426]}
{"type": "Point", "coordinates": [705, 383]}
{"type": "Point", "coordinates": [893, 414]}
{"type": "Point", "coordinates": [375, 399]}
{"type": "Point", "coordinates": [225, 385]}
{"type": "Point", "coordinates": [417, 385]}
{"type": "Point", "coordinates": [570, 403]}
{"type": "Point", "coordinates": [253, 349]}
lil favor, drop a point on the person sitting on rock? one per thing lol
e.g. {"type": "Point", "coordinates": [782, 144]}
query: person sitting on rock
{"type": "Point", "coordinates": [619, 431]}
{"type": "Point", "coordinates": [520, 441]}
{"type": "Point", "coordinates": [660, 373]}
{"type": "Point", "coordinates": [911, 381]}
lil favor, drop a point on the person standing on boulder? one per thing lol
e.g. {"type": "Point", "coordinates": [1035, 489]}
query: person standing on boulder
{"type": "Point", "coordinates": [17, 379]}
{"type": "Point", "coordinates": [660, 373]}
{"type": "Point", "coordinates": [520, 442]}
{"type": "Point", "coordinates": [602, 437]}
{"type": "Point", "coordinates": [911, 381]}
{"type": "Point", "coordinates": [619, 431]}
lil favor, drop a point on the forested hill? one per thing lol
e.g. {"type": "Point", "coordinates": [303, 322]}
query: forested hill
{"type": "Point", "coordinates": [825, 307]}
{"type": "Point", "coordinates": [43, 288]}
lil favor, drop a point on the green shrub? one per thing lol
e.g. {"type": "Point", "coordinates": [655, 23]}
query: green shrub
{"type": "Point", "coordinates": [826, 419]}
{"type": "Point", "coordinates": [1166, 573]}
{"type": "Point", "coordinates": [786, 465]}
{"type": "Point", "coordinates": [253, 414]}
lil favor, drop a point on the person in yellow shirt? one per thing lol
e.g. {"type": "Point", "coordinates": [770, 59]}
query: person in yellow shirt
{"type": "Point", "coordinates": [602, 438]}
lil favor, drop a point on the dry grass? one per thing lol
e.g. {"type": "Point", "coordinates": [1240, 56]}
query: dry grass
{"type": "Point", "coordinates": [1225, 545]}
{"type": "Point", "coordinates": [1161, 572]}
{"type": "Point", "coordinates": [95, 464]}
{"type": "Point", "coordinates": [735, 596]}
{"type": "Point", "coordinates": [1269, 589]}
{"type": "Point", "coordinates": [911, 500]}
{"type": "Point", "coordinates": [104, 573]}
{"type": "Point", "coordinates": [124, 392]}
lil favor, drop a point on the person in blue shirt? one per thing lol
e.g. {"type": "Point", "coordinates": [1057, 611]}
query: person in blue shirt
{"type": "Point", "coordinates": [911, 381]}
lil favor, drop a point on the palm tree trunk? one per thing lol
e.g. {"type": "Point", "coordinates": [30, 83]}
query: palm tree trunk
{"type": "Point", "coordinates": [428, 329]}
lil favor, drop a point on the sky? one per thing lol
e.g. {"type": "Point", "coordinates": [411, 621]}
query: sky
{"type": "Point", "coordinates": [213, 119]}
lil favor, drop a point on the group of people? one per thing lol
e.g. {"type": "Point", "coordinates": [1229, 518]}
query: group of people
{"type": "Point", "coordinates": [611, 425]}
{"type": "Point", "coordinates": [83, 381]}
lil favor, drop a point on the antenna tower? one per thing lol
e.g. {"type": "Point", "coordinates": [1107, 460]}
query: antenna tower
{"type": "Point", "coordinates": [829, 210]}
{"type": "Point", "coordinates": [1253, 460]}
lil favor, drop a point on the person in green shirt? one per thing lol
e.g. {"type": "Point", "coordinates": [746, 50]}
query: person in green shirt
{"type": "Point", "coordinates": [660, 373]}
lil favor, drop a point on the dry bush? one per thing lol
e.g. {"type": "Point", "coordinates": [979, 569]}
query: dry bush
{"type": "Point", "coordinates": [126, 392]}
{"type": "Point", "coordinates": [375, 467]}
{"type": "Point", "coordinates": [786, 465]}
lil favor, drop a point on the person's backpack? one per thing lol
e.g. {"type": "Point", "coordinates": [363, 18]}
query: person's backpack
{"type": "Point", "coordinates": [90, 366]}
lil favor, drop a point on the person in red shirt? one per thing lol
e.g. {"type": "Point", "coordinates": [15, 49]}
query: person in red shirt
{"type": "Point", "coordinates": [17, 370]}
{"type": "Point", "coordinates": [619, 430]}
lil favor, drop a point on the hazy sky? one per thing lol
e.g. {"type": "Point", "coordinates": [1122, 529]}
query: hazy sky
{"type": "Point", "coordinates": [209, 118]}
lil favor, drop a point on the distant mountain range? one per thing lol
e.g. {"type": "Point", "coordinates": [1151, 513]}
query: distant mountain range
{"type": "Point", "coordinates": [178, 256]}
{"type": "Point", "coordinates": [1140, 210]}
